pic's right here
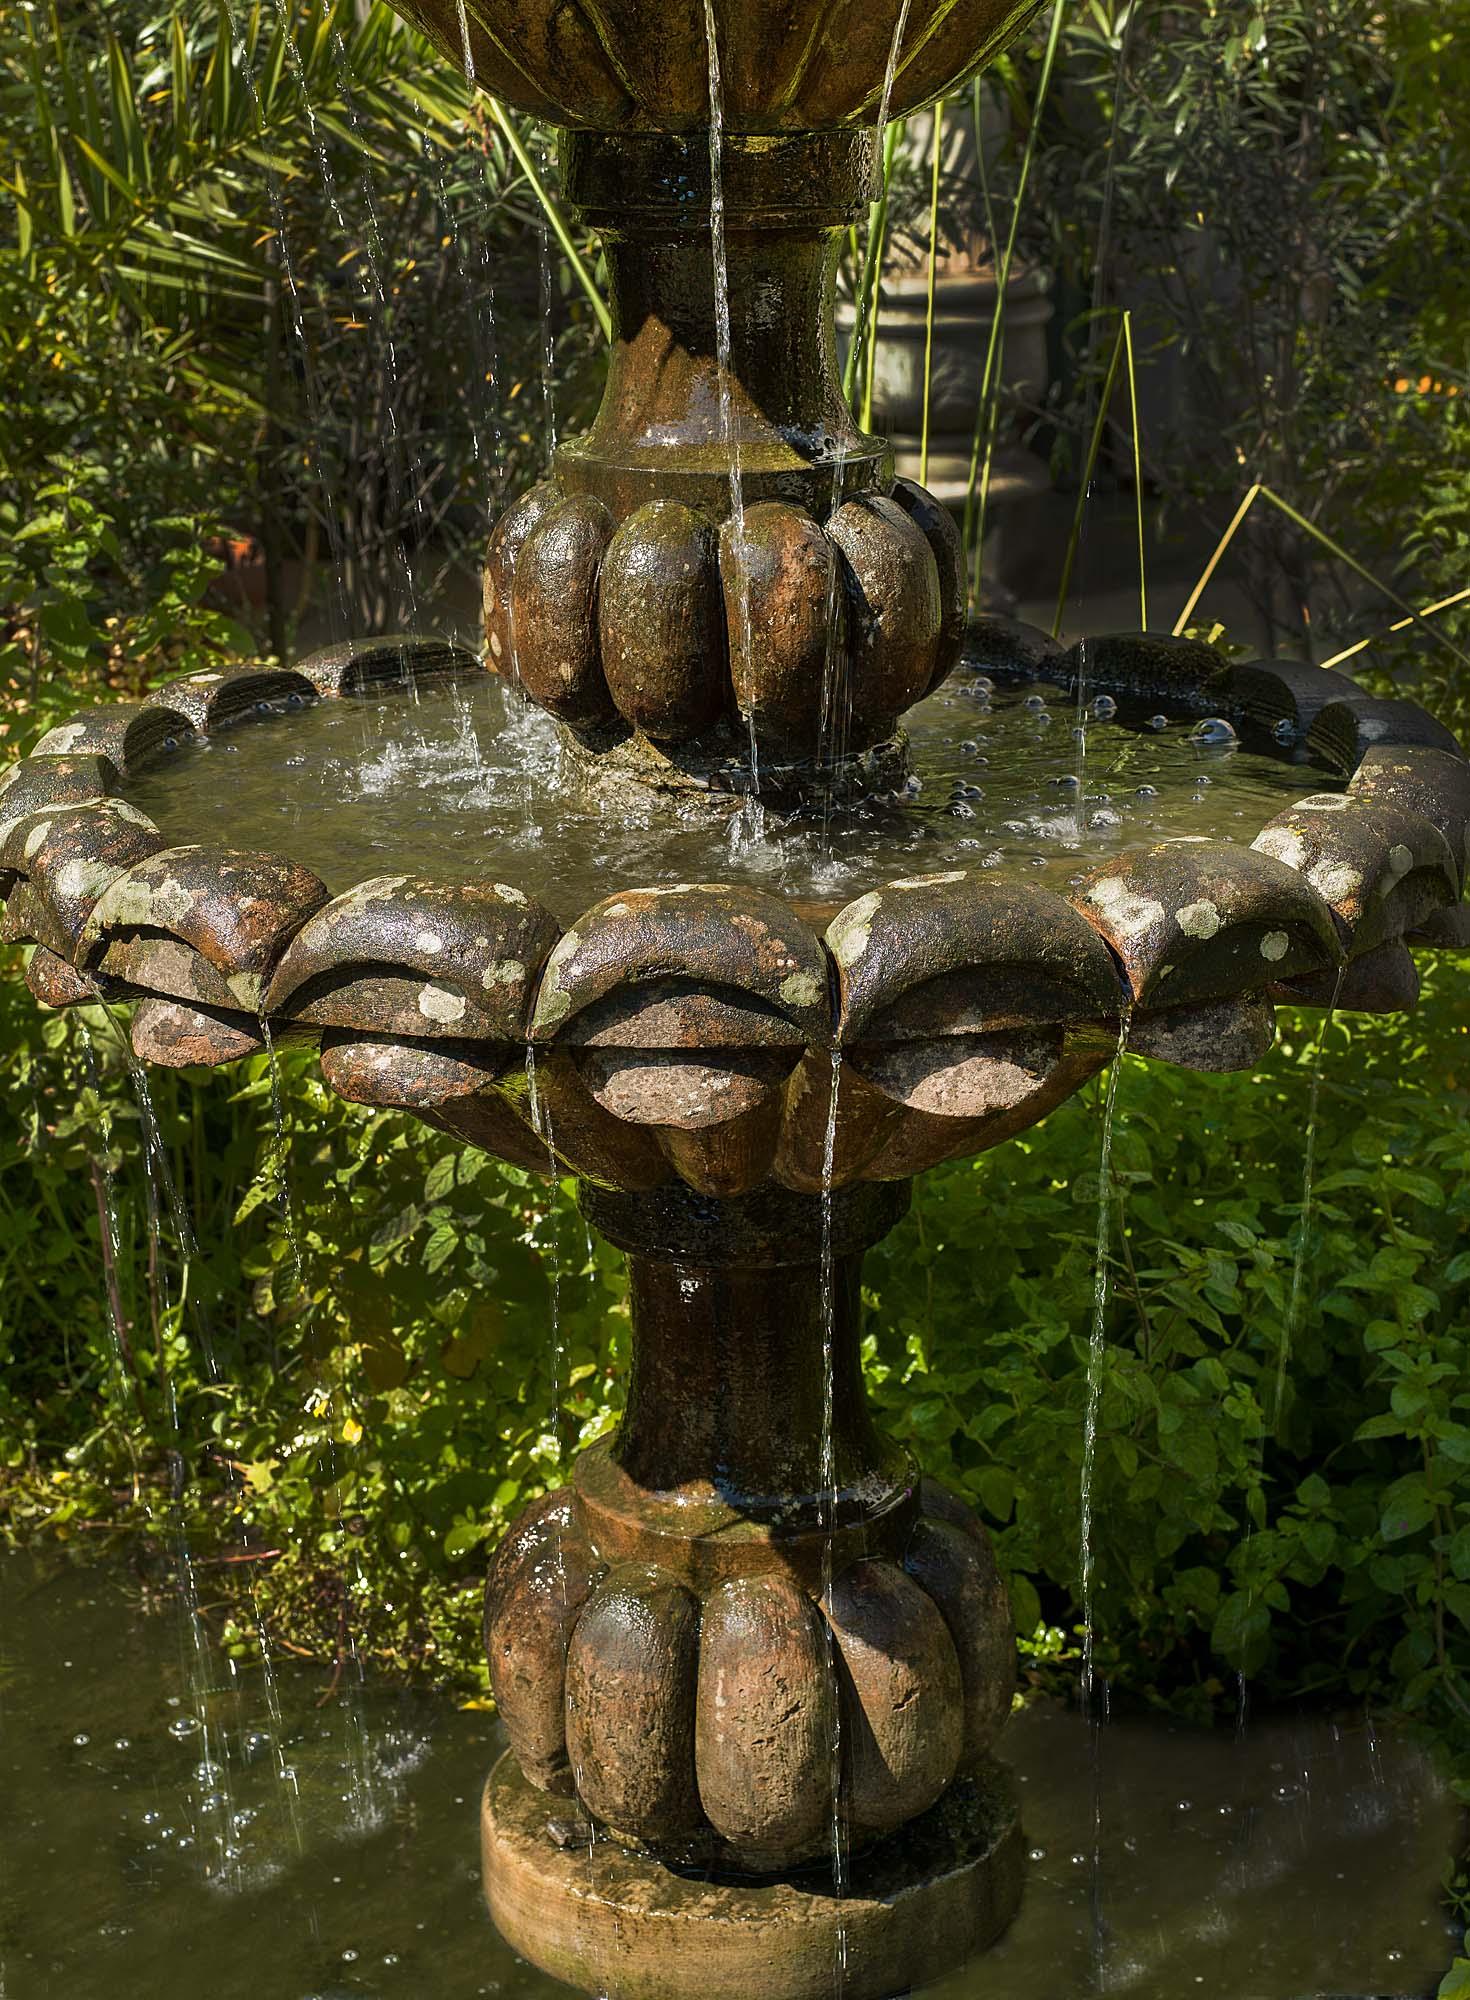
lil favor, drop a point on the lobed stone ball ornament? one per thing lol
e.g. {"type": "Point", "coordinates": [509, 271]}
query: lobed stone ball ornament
{"type": "Point", "coordinates": [809, 636]}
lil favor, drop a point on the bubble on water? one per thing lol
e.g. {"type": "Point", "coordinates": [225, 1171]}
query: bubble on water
{"type": "Point", "coordinates": [1202, 780]}
{"type": "Point", "coordinates": [1284, 1794]}
{"type": "Point", "coordinates": [913, 784]}
{"type": "Point", "coordinates": [965, 791]}
{"type": "Point", "coordinates": [961, 811]}
{"type": "Point", "coordinates": [243, 1818]}
{"type": "Point", "coordinates": [212, 1802]}
{"type": "Point", "coordinates": [1038, 1854]}
{"type": "Point", "coordinates": [150, 1819]}
{"type": "Point", "coordinates": [256, 1740]}
{"type": "Point", "coordinates": [1036, 703]}
{"type": "Point", "coordinates": [1104, 707]}
{"type": "Point", "coordinates": [1214, 733]}
{"type": "Point", "coordinates": [183, 1725]}
{"type": "Point", "coordinates": [1184, 1805]}
{"type": "Point", "coordinates": [390, 1958]}
{"type": "Point", "coordinates": [969, 748]}
{"type": "Point", "coordinates": [1107, 817]}
{"type": "Point", "coordinates": [1146, 792]}
{"type": "Point", "coordinates": [1080, 1860]}
{"type": "Point", "coordinates": [186, 1840]}
{"type": "Point", "coordinates": [122, 1743]}
{"type": "Point", "coordinates": [207, 1773]}
{"type": "Point", "coordinates": [982, 684]}
{"type": "Point", "coordinates": [1286, 732]}
{"type": "Point", "coordinates": [81, 1739]}
{"type": "Point", "coordinates": [1068, 782]}
{"type": "Point", "coordinates": [349, 1956]}
{"type": "Point", "coordinates": [1157, 722]}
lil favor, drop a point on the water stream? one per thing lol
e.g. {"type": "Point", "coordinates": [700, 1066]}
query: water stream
{"type": "Point", "coordinates": [839, 1829]}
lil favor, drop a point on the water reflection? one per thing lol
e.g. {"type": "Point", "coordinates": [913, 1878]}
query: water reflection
{"type": "Point", "coordinates": [1301, 1861]}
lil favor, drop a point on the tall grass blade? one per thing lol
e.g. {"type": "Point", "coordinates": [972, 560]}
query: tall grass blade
{"type": "Point", "coordinates": [1399, 625]}
{"type": "Point", "coordinates": [933, 273]}
{"type": "Point", "coordinates": [987, 405]}
{"type": "Point", "coordinates": [1137, 468]}
{"type": "Point", "coordinates": [866, 297]}
{"type": "Point", "coordinates": [1334, 549]}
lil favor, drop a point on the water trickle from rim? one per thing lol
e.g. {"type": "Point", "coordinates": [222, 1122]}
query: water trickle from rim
{"type": "Point", "coordinates": [1304, 1220]}
{"type": "Point", "coordinates": [1095, 1355]}
{"type": "Point", "coordinates": [839, 1831]}
{"type": "Point", "coordinates": [747, 827]}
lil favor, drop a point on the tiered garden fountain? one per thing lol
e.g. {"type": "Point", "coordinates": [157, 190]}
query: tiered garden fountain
{"type": "Point", "coordinates": [752, 1668]}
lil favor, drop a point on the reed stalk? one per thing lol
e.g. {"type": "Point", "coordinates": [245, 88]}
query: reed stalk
{"type": "Point", "coordinates": [933, 273]}
{"type": "Point", "coordinates": [552, 211]}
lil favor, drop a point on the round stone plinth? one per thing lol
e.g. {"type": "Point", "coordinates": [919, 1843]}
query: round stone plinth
{"type": "Point", "coordinates": [623, 1925]}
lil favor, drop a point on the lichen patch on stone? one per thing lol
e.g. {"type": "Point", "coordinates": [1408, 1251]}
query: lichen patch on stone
{"type": "Point", "coordinates": [1128, 913]}
{"type": "Point", "coordinates": [437, 1003]}
{"type": "Point", "coordinates": [1274, 946]}
{"type": "Point", "coordinates": [1199, 920]}
{"type": "Point", "coordinates": [851, 929]}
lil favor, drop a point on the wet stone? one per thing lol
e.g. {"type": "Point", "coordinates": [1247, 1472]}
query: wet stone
{"type": "Point", "coordinates": [1345, 731]}
{"type": "Point", "coordinates": [359, 667]}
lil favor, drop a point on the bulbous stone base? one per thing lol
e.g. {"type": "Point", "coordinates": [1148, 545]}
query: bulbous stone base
{"type": "Point", "coordinates": [620, 1924]}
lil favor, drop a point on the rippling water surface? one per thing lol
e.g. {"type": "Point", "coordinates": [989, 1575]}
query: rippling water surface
{"type": "Point", "coordinates": [1302, 1859]}
{"type": "Point", "coordinates": [468, 782]}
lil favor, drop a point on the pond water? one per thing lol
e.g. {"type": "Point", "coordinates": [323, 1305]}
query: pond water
{"type": "Point", "coordinates": [468, 782]}
{"type": "Point", "coordinates": [328, 1851]}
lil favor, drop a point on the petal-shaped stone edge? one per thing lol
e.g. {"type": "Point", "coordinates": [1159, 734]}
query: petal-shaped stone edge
{"type": "Point", "coordinates": [128, 734]}
{"type": "Point", "coordinates": [358, 667]}
{"type": "Point", "coordinates": [913, 959]}
{"type": "Point", "coordinates": [234, 913]}
{"type": "Point", "coordinates": [1198, 921]}
{"type": "Point", "coordinates": [739, 955]}
{"type": "Point", "coordinates": [1379, 866]}
{"type": "Point", "coordinates": [218, 698]}
{"type": "Point", "coordinates": [55, 863]}
{"type": "Point", "coordinates": [397, 955]}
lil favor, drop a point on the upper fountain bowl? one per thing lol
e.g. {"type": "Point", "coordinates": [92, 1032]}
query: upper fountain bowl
{"type": "Point", "coordinates": [785, 65]}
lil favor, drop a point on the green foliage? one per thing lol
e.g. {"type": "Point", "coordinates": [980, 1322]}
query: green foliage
{"type": "Point", "coordinates": [373, 1376]}
{"type": "Point", "coordinates": [1280, 193]}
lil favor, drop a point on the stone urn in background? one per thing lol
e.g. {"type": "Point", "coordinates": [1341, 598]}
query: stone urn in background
{"type": "Point", "coordinates": [966, 298]}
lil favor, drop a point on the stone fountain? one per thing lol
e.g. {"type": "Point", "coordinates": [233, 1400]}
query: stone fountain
{"type": "Point", "coordinates": [747, 1635]}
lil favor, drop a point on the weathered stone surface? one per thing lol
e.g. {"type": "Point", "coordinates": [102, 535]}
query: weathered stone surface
{"type": "Point", "coordinates": [218, 700]}
{"type": "Point", "coordinates": [1444, 930]}
{"type": "Point", "coordinates": [765, 1719]}
{"type": "Point", "coordinates": [1380, 867]}
{"type": "Point", "coordinates": [126, 734]}
{"type": "Point", "coordinates": [176, 1036]}
{"type": "Point", "coordinates": [394, 660]}
{"type": "Point", "coordinates": [1009, 648]}
{"type": "Point", "coordinates": [1345, 731]}
{"type": "Point", "coordinates": [1275, 702]}
{"type": "Point", "coordinates": [55, 864]}
{"type": "Point", "coordinates": [958, 954]}
{"type": "Point", "coordinates": [1384, 980]}
{"type": "Point", "coordinates": [1152, 664]}
{"type": "Point", "coordinates": [946, 544]}
{"type": "Point", "coordinates": [630, 1705]}
{"type": "Point", "coordinates": [919, 1139]}
{"type": "Point", "coordinates": [690, 966]}
{"type": "Point", "coordinates": [53, 982]}
{"type": "Point", "coordinates": [956, 1568]}
{"type": "Point", "coordinates": [507, 538]}
{"type": "Point", "coordinates": [619, 1923]}
{"type": "Point", "coordinates": [618, 67]}
{"type": "Point", "coordinates": [660, 624]}
{"type": "Point", "coordinates": [895, 613]}
{"type": "Point", "coordinates": [554, 600]}
{"type": "Point", "coordinates": [234, 912]}
{"type": "Point", "coordinates": [901, 1693]}
{"type": "Point", "coordinates": [33, 783]}
{"type": "Point", "coordinates": [539, 1579]}
{"type": "Point", "coordinates": [1193, 921]}
{"type": "Point", "coordinates": [818, 1147]}
{"type": "Point", "coordinates": [1432, 783]}
{"type": "Point", "coordinates": [1220, 1035]}
{"type": "Point", "coordinates": [573, 1127]}
{"type": "Point", "coordinates": [786, 621]}
{"type": "Point", "coordinates": [457, 1087]}
{"type": "Point", "coordinates": [399, 956]}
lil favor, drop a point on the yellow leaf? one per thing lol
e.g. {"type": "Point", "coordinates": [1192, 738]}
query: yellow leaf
{"type": "Point", "coordinates": [351, 1431]}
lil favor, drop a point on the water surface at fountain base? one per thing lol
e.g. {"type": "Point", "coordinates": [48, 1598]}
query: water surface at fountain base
{"type": "Point", "coordinates": [620, 1924]}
